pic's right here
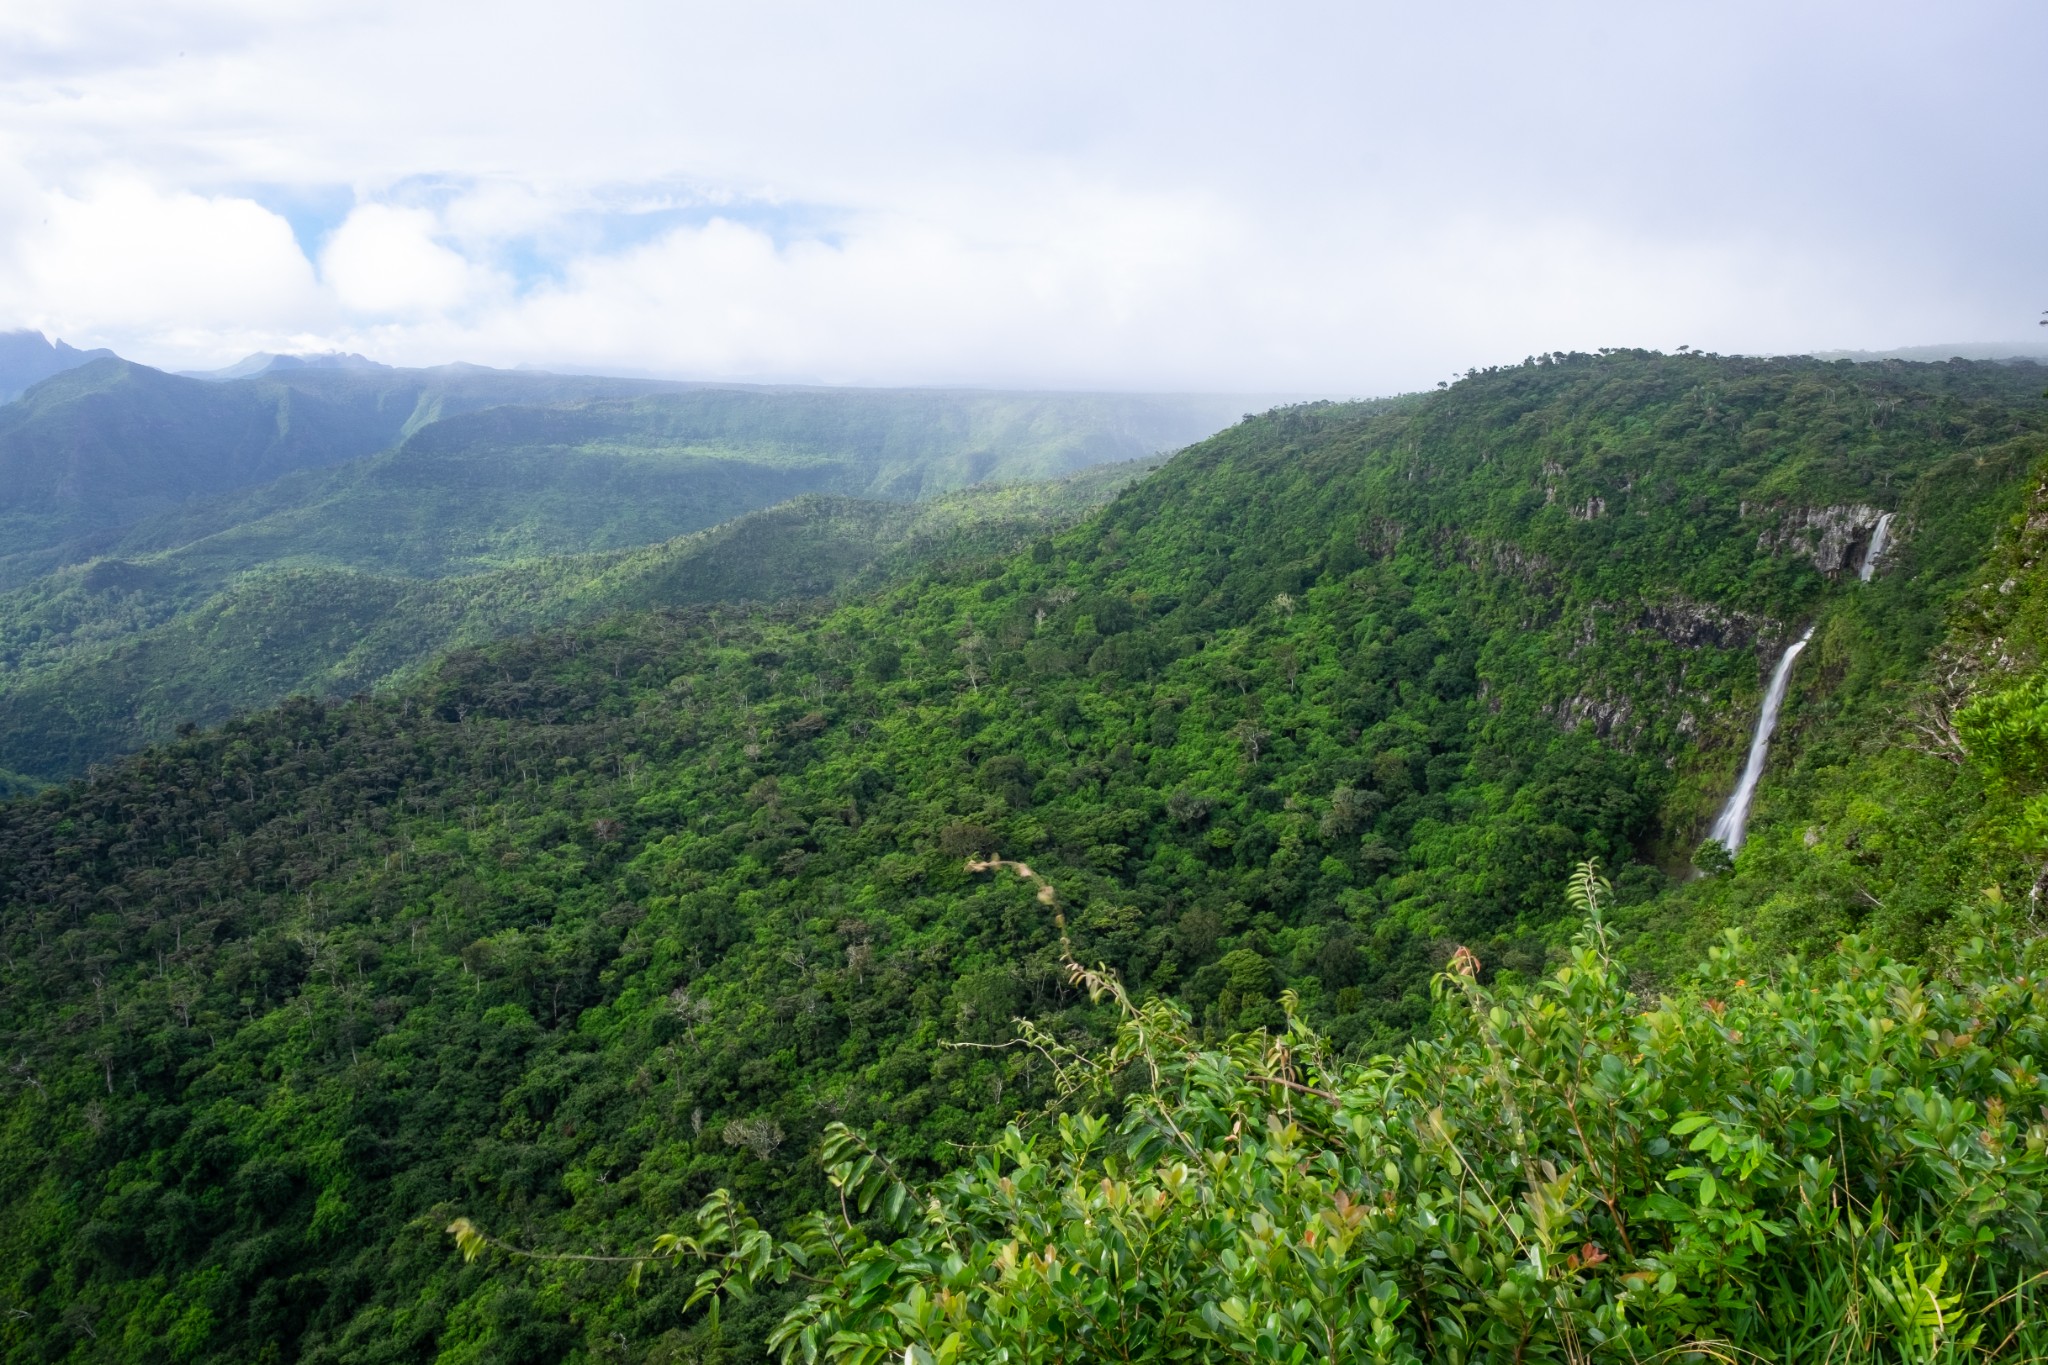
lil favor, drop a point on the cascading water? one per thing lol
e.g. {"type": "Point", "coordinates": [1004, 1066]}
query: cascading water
{"type": "Point", "coordinates": [1878, 538]}
{"type": "Point", "coordinates": [1734, 818]}
{"type": "Point", "coordinates": [1733, 821]}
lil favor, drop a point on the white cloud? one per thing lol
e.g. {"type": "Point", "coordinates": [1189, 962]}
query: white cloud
{"type": "Point", "coordinates": [385, 261]}
{"type": "Point", "coordinates": [122, 257]}
{"type": "Point", "coordinates": [1357, 197]}
{"type": "Point", "coordinates": [1154, 293]}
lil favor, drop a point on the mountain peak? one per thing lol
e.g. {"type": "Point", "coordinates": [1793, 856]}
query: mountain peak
{"type": "Point", "coordinates": [28, 357]}
{"type": "Point", "coordinates": [263, 362]}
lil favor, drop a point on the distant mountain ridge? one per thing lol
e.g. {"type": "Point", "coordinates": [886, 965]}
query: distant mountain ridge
{"type": "Point", "coordinates": [1950, 350]}
{"type": "Point", "coordinates": [28, 357]}
{"type": "Point", "coordinates": [111, 444]}
{"type": "Point", "coordinates": [140, 509]}
{"type": "Point", "coordinates": [108, 443]}
{"type": "Point", "coordinates": [164, 650]}
{"type": "Point", "coordinates": [263, 362]}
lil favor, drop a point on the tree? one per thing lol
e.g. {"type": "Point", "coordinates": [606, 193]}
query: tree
{"type": "Point", "coordinates": [1562, 1171]}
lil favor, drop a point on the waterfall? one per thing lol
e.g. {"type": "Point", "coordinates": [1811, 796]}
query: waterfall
{"type": "Point", "coordinates": [1878, 537]}
{"type": "Point", "coordinates": [1734, 818]}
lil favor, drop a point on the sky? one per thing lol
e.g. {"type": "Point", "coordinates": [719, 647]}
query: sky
{"type": "Point", "coordinates": [1348, 199]}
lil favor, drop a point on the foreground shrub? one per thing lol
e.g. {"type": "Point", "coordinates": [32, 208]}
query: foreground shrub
{"type": "Point", "coordinates": [1833, 1161]}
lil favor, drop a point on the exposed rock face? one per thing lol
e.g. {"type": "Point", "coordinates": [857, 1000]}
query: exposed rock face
{"type": "Point", "coordinates": [1620, 713]}
{"type": "Point", "coordinates": [1685, 623]}
{"type": "Point", "coordinates": [1381, 537]}
{"type": "Point", "coordinates": [1697, 625]}
{"type": "Point", "coordinates": [1834, 538]}
{"type": "Point", "coordinates": [1610, 715]}
{"type": "Point", "coordinates": [1508, 559]}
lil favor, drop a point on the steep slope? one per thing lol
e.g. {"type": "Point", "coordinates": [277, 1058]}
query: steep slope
{"type": "Point", "coordinates": [1909, 779]}
{"type": "Point", "coordinates": [580, 926]}
{"type": "Point", "coordinates": [110, 442]}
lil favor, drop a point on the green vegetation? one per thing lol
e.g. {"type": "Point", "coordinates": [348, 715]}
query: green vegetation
{"type": "Point", "coordinates": [1913, 776]}
{"type": "Point", "coordinates": [1774, 1161]}
{"type": "Point", "coordinates": [27, 358]}
{"type": "Point", "coordinates": [570, 931]}
{"type": "Point", "coordinates": [103, 445]}
{"type": "Point", "coordinates": [180, 549]}
{"type": "Point", "coordinates": [472, 491]}
{"type": "Point", "coordinates": [480, 467]}
{"type": "Point", "coordinates": [96, 676]}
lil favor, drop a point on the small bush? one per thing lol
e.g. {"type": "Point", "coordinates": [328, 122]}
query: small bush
{"type": "Point", "coordinates": [1843, 1161]}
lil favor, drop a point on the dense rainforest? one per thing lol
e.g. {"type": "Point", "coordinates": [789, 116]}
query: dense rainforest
{"type": "Point", "coordinates": [572, 930]}
{"type": "Point", "coordinates": [176, 549]}
{"type": "Point", "coordinates": [315, 629]}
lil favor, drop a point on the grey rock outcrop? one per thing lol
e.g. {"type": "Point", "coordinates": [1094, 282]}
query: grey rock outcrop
{"type": "Point", "coordinates": [1834, 538]}
{"type": "Point", "coordinates": [1699, 625]}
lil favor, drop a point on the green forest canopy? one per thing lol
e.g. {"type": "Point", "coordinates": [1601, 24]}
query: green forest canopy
{"type": "Point", "coordinates": [1776, 1162]}
{"type": "Point", "coordinates": [580, 927]}
{"type": "Point", "coordinates": [119, 654]}
{"type": "Point", "coordinates": [178, 550]}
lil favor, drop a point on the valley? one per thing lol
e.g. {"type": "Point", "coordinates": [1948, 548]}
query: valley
{"type": "Point", "coordinates": [577, 879]}
{"type": "Point", "coordinates": [179, 548]}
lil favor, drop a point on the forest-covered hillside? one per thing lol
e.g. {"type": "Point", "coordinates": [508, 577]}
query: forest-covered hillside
{"type": "Point", "coordinates": [139, 511]}
{"type": "Point", "coordinates": [118, 654]}
{"type": "Point", "coordinates": [28, 357]}
{"type": "Point", "coordinates": [116, 459]}
{"type": "Point", "coordinates": [103, 445]}
{"type": "Point", "coordinates": [576, 928]}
